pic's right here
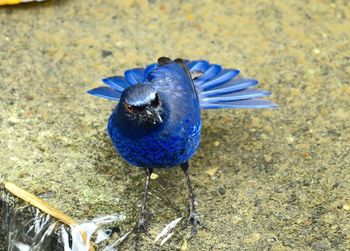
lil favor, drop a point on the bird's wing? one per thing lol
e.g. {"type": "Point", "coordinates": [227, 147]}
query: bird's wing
{"type": "Point", "coordinates": [117, 84]}
{"type": "Point", "coordinates": [221, 88]}
{"type": "Point", "coordinates": [216, 87]}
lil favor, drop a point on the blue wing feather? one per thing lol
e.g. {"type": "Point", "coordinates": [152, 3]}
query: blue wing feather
{"type": "Point", "coordinates": [106, 92]}
{"type": "Point", "coordinates": [135, 76]}
{"type": "Point", "coordinates": [231, 86]}
{"type": "Point", "coordinates": [216, 87]}
{"type": "Point", "coordinates": [244, 94]}
{"type": "Point", "coordinates": [211, 72]}
{"type": "Point", "coordinates": [116, 82]}
{"type": "Point", "coordinates": [149, 69]}
{"type": "Point", "coordinates": [246, 103]}
{"type": "Point", "coordinates": [224, 76]}
{"type": "Point", "coordinates": [198, 65]}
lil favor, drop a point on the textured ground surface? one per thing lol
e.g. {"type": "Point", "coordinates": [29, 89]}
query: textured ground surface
{"type": "Point", "coordinates": [264, 179]}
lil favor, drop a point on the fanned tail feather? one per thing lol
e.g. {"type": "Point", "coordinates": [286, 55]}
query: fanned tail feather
{"type": "Point", "coordinates": [221, 78]}
{"type": "Point", "coordinates": [233, 96]}
{"type": "Point", "coordinates": [135, 76]}
{"type": "Point", "coordinates": [209, 73]}
{"type": "Point", "coordinates": [216, 87]}
{"type": "Point", "coordinates": [117, 84]}
{"type": "Point", "coordinates": [230, 86]}
{"type": "Point", "coordinates": [149, 69]}
{"type": "Point", "coordinates": [247, 103]}
{"type": "Point", "coordinates": [106, 92]}
{"type": "Point", "coordinates": [200, 65]}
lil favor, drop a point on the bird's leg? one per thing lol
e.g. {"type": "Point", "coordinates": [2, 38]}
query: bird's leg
{"type": "Point", "coordinates": [141, 225]}
{"type": "Point", "coordinates": [193, 217]}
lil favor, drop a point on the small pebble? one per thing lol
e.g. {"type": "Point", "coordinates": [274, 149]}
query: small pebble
{"type": "Point", "coordinates": [346, 206]}
{"type": "Point", "coordinates": [316, 51]}
{"type": "Point", "coordinates": [290, 139]}
{"type": "Point", "coordinates": [212, 171]}
{"type": "Point", "coordinates": [268, 158]}
{"type": "Point", "coordinates": [106, 53]}
{"type": "Point", "coordinates": [222, 191]}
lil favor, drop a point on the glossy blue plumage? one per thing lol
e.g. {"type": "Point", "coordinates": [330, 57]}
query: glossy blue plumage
{"type": "Point", "coordinates": [157, 121]}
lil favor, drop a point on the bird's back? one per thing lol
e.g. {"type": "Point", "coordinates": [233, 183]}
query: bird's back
{"type": "Point", "coordinates": [172, 81]}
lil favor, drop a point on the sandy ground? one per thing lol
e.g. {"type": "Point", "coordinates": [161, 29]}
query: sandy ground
{"type": "Point", "coordinates": [265, 180]}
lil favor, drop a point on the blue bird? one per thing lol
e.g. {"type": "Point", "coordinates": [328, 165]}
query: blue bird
{"type": "Point", "coordinates": [156, 122]}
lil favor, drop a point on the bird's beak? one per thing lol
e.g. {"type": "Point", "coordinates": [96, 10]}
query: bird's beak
{"type": "Point", "coordinates": [156, 117]}
{"type": "Point", "coordinates": [159, 118]}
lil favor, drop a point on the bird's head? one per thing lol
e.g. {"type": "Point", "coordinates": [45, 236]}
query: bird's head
{"type": "Point", "coordinates": [141, 107]}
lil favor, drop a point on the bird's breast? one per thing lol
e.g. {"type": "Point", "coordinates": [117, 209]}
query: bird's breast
{"type": "Point", "coordinates": [171, 146]}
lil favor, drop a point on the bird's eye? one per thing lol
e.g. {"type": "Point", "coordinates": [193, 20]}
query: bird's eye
{"type": "Point", "coordinates": [128, 107]}
{"type": "Point", "coordinates": [155, 101]}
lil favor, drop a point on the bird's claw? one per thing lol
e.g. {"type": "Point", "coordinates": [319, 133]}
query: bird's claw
{"type": "Point", "coordinates": [195, 221]}
{"type": "Point", "coordinates": [141, 226]}
{"type": "Point", "coordinates": [140, 229]}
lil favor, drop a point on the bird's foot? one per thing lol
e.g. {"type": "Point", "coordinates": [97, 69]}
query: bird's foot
{"type": "Point", "coordinates": [141, 226]}
{"type": "Point", "coordinates": [195, 221]}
